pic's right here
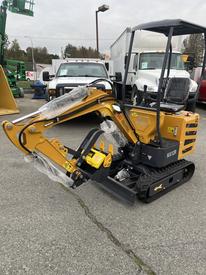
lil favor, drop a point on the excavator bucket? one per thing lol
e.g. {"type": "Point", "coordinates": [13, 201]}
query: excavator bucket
{"type": "Point", "coordinates": [7, 102]}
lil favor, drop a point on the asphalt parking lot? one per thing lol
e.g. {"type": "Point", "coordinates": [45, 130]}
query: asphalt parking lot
{"type": "Point", "coordinates": [46, 229]}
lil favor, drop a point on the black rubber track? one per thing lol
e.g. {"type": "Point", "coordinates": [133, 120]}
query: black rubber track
{"type": "Point", "coordinates": [145, 181]}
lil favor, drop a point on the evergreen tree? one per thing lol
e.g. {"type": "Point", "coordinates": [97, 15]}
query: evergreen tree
{"type": "Point", "coordinates": [194, 46]}
{"type": "Point", "coordinates": [80, 52]}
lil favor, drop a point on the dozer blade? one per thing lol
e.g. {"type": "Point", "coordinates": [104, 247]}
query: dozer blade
{"type": "Point", "coordinates": [7, 102]}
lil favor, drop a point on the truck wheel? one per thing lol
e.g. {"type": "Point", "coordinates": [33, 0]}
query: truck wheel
{"type": "Point", "coordinates": [136, 96]}
{"type": "Point", "coordinates": [47, 96]}
{"type": "Point", "coordinates": [21, 92]}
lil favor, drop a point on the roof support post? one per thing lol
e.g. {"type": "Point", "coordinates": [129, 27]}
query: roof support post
{"type": "Point", "coordinates": [159, 138]}
{"type": "Point", "coordinates": [127, 66]}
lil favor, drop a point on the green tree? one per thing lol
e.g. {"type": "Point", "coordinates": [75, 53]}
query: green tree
{"type": "Point", "coordinates": [194, 46]}
{"type": "Point", "coordinates": [79, 52]}
{"type": "Point", "coordinates": [41, 55]}
{"type": "Point", "coordinates": [14, 51]}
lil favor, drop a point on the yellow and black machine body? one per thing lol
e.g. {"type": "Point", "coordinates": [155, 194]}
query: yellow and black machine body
{"type": "Point", "coordinates": [150, 161]}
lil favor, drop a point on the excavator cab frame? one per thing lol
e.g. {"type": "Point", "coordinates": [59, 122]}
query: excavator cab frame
{"type": "Point", "coordinates": [169, 28]}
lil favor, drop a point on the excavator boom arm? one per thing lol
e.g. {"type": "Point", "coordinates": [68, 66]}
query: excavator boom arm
{"type": "Point", "coordinates": [27, 133]}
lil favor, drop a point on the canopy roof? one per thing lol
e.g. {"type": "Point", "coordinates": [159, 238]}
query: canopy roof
{"type": "Point", "coordinates": [181, 27]}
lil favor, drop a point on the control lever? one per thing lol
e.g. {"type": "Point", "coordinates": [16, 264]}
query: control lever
{"type": "Point", "coordinates": [145, 97]}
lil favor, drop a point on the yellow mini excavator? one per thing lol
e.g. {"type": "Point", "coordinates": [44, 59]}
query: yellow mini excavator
{"type": "Point", "coordinates": [144, 153]}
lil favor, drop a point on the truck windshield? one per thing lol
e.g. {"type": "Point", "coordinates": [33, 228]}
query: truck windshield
{"type": "Point", "coordinates": [152, 61]}
{"type": "Point", "coordinates": [82, 70]}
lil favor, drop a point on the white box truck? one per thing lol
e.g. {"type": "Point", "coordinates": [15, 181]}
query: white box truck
{"type": "Point", "coordinates": [146, 62]}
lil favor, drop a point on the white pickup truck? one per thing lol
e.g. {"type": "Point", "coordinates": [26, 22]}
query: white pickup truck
{"type": "Point", "coordinates": [146, 63]}
{"type": "Point", "coordinates": [70, 73]}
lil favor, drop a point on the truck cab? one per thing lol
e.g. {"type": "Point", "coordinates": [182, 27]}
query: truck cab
{"type": "Point", "coordinates": [72, 73]}
{"type": "Point", "coordinates": [146, 71]}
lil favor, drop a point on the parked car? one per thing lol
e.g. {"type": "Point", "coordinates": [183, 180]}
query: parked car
{"type": "Point", "coordinates": [202, 92]}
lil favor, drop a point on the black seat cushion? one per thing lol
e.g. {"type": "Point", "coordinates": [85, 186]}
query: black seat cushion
{"type": "Point", "coordinates": [168, 107]}
{"type": "Point", "coordinates": [171, 107]}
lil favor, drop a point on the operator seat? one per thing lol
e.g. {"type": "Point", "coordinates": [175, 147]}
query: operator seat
{"type": "Point", "coordinates": [177, 90]}
{"type": "Point", "coordinates": [176, 94]}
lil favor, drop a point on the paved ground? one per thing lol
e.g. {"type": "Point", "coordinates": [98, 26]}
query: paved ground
{"type": "Point", "coordinates": [45, 229]}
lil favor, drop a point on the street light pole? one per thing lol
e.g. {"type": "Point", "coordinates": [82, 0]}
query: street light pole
{"type": "Point", "coordinates": [97, 33]}
{"type": "Point", "coordinates": [102, 8]}
{"type": "Point", "coordinates": [32, 53]}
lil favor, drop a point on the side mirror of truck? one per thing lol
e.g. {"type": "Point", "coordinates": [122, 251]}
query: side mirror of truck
{"type": "Point", "coordinates": [118, 77]}
{"type": "Point", "coordinates": [107, 66]}
{"type": "Point", "coordinates": [46, 76]}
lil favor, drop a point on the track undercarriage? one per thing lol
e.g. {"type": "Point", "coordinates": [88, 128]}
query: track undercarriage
{"type": "Point", "coordinates": [149, 186]}
{"type": "Point", "coordinates": [129, 182]}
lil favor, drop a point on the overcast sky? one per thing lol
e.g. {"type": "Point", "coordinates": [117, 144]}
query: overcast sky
{"type": "Point", "coordinates": [59, 22]}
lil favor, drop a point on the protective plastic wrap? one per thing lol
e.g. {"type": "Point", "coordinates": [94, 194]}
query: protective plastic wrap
{"type": "Point", "coordinates": [113, 134]}
{"type": "Point", "coordinates": [61, 104]}
{"type": "Point", "coordinates": [46, 167]}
